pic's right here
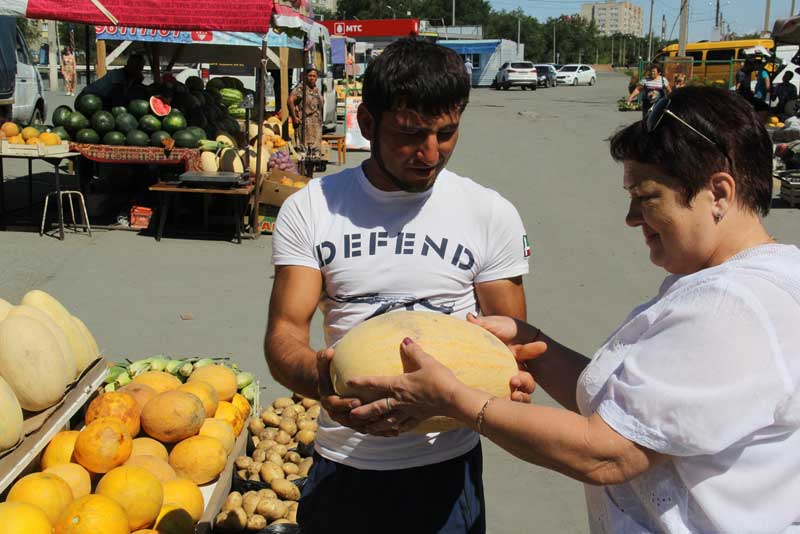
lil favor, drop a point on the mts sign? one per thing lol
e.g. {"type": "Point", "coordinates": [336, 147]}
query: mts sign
{"type": "Point", "coordinates": [373, 28]}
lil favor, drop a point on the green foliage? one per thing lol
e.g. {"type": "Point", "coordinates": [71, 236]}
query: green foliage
{"type": "Point", "coordinates": [30, 30]}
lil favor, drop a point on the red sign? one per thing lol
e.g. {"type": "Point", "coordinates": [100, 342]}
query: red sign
{"type": "Point", "coordinates": [373, 28]}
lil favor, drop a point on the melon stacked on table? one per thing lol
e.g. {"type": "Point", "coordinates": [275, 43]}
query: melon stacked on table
{"type": "Point", "coordinates": [139, 460]}
{"type": "Point", "coordinates": [43, 349]}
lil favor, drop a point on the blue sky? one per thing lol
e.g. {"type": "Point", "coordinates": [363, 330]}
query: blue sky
{"type": "Point", "coordinates": [744, 16]}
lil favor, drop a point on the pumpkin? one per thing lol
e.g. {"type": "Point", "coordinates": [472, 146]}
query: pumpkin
{"type": "Point", "coordinates": [93, 514]}
{"type": "Point", "coordinates": [172, 519]}
{"type": "Point", "coordinates": [205, 392]}
{"type": "Point", "coordinates": [199, 458]}
{"type": "Point", "coordinates": [241, 404]}
{"type": "Point", "coordinates": [46, 491]}
{"type": "Point", "coordinates": [372, 348]}
{"type": "Point", "coordinates": [116, 404]}
{"type": "Point", "coordinates": [221, 430]}
{"type": "Point", "coordinates": [59, 314]}
{"type": "Point", "coordinates": [141, 392]}
{"type": "Point", "coordinates": [31, 362]}
{"type": "Point", "coordinates": [173, 416]}
{"type": "Point", "coordinates": [104, 444]}
{"type": "Point", "coordinates": [11, 430]}
{"type": "Point", "coordinates": [185, 494]}
{"type": "Point", "coordinates": [158, 380]}
{"type": "Point", "coordinates": [158, 468]}
{"type": "Point", "coordinates": [149, 446]}
{"type": "Point", "coordinates": [135, 489]}
{"type": "Point", "coordinates": [94, 349]}
{"type": "Point", "coordinates": [78, 478]}
{"type": "Point", "coordinates": [63, 344]}
{"type": "Point", "coordinates": [60, 449]}
{"type": "Point", "coordinates": [220, 377]}
{"type": "Point", "coordinates": [230, 413]}
{"type": "Point", "coordinates": [23, 518]}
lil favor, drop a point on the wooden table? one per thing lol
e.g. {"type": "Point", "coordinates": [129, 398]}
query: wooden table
{"type": "Point", "coordinates": [337, 140]}
{"type": "Point", "coordinates": [168, 189]}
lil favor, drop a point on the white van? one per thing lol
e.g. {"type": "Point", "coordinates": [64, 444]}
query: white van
{"type": "Point", "coordinates": [27, 105]}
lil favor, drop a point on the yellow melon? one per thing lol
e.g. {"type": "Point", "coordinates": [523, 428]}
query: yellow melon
{"type": "Point", "coordinates": [78, 478]}
{"type": "Point", "coordinates": [23, 518]}
{"type": "Point", "coordinates": [49, 139]}
{"type": "Point", "coordinates": [173, 416]}
{"type": "Point", "coordinates": [230, 413]}
{"type": "Point", "coordinates": [29, 132]}
{"type": "Point", "coordinates": [205, 392]}
{"type": "Point", "coordinates": [158, 380]}
{"type": "Point", "coordinates": [93, 514]}
{"type": "Point", "coordinates": [185, 494]}
{"type": "Point", "coordinates": [146, 531]}
{"type": "Point", "coordinates": [104, 444]}
{"type": "Point", "coordinates": [372, 348]}
{"type": "Point", "coordinates": [91, 342]}
{"type": "Point", "coordinates": [158, 468]}
{"type": "Point", "coordinates": [141, 392]}
{"type": "Point", "coordinates": [11, 429]}
{"type": "Point", "coordinates": [221, 430]}
{"type": "Point", "coordinates": [149, 446]}
{"type": "Point", "coordinates": [5, 307]}
{"type": "Point", "coordinates": [199, 458]}
{"type": "Point", "coordinates": [241, 404]}
{"type": "Point", "coordinates": [135, 489]}
{"type": "Point", "coordinates": [10, 129]}
{"type": "Point", "coordinates": [46, 491]}
{"type": "Point", "coordinates": [63, 344]}
{"type": "Point", "coordinates": [220, 377]}
{"type": "Point", "coordinates": [60, 449]}
{"type": "Point", "coordinates": [116, 404]}
{"type": "Point", "coordinates": [172, 519]}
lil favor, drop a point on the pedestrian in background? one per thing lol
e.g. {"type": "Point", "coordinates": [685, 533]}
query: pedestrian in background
{"type": "Point", "coordinates": [68, 71]}
{"type": "Point", "coordinates": [654, 86]}
{"type": "Point", "coordinates": [680, 81]}
{"type": "Point", "coordinates": [308, 125]}
{"type": "Point", "coordinates": [468, 67]}
{"type": "Point", "coordinates": [784, 92]}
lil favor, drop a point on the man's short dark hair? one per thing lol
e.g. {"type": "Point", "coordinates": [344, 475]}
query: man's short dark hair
{"type": "Point", "coordinates": [654, 66]}
{"type": "Point", "coordinates": [417, 75]}
{"type": "Point", "coordinates": [788, 75]}
{"type": "Point", "coordinates": [720, 115]}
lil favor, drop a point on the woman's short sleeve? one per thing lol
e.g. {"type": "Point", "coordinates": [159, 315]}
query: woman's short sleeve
{"type": "Point", "coordinates": [707, 373]}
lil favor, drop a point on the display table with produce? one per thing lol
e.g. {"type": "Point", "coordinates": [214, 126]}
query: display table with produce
{"type": "Point", "coordinates": [134, 155]}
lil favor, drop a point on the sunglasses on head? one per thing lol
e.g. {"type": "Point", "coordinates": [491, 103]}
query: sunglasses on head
{"type": "Point", "coordinates": [661, 108]}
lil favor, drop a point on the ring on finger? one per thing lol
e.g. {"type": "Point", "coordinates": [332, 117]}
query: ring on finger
{"type": "Point", "coordinates": [389, 403]}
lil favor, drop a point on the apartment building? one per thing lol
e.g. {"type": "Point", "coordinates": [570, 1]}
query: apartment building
{"type": "Point", "coordinates": [330, 5]}
{"type": "Point", "coordinates": [615, 17]}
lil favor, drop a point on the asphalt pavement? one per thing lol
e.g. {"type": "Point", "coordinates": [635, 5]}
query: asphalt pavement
{"type": "Point", "coordinates": [544, 150]}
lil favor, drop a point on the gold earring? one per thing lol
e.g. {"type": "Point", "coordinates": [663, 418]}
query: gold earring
{"type": "Point", "coordinates": [718, 217]}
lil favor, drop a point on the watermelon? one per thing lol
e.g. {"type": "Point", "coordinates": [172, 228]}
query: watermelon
{"type": "Point", "coordinates": [61, 132]}
{"type": "Point", "coordinates": [118, 110]}
{"type": "Point", "coordinates": [88, 104]}
{"type": "Point", "coordinates": [197, 118]}
{"type": "Point", "coordinates": [114, 138]}
{"type": "Point", "coordinates": [231, 97]}
{"type": "Point", "coordinates": [197, 132]}
{"type": "Point", "coordinates": [194, 83]}
{"type": "Point", "coordinates": [185, 139]}
{"type": "Point", "coordinates": [159, 107]}
{"type": "Point", "coordinates": [61, 115]}
{"type": "Point", "coordinates": [236, 112]}
{"type": "Point", "coordinates": [77, 121]}
{"type": "Point", "coordinates": [126, 122]}
{"type": "Point", "coordinates": [173, 122]}
{"type": "Point", "coordinates": [149, 124]}
{"type": "Point", "coordinates": [137, 138]}
{"type": "Point", "coordinates": [139, 108]}
{"type": "Point", "coordinates": [103, 122]}
{"type": "Point", "coordinates": [157, 137]}
{"type": "Point", "coordinates": [87, 135]}
{"type": "Point", "coordinates": [215, 83]}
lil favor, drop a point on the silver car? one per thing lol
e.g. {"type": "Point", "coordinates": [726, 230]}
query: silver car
{"type": "Point", "coordinates": [516, 74]}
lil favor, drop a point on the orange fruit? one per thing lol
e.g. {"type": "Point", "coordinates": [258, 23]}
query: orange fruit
{"type": "Point", "coordinates": [10, 129]}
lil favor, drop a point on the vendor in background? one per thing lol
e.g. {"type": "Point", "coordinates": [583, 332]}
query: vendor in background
{"type": "Point", "coordinates": [308, 128]}
{"type": "Point", "coordinates": [761, 95]}
{"type": "Point", "coordinates": [654, 85]}
{"type": "Point", "coordinates": [119, 86]}
{"type": "Point", "coordinates": [784, 92]}
{"type": "Point", "coordinates": [68, 71]}
{"type": "Point", "coordinates": [679, 81]}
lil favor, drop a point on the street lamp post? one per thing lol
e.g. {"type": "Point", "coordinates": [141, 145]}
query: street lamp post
{"type": "Point", "coordinates": [394, 16]}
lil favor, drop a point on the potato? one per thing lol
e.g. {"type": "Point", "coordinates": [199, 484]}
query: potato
{"type": "Point", "coordinates": [233, 501]}
{"type": "Point", "coordinates": [290, 468]}
{"type": "Point", "coordinates": [272, 509]}
{"type": "Point", "coordinates": [306, 437]}
{"type": "Point", "coordinates": [259, 456]}
{"type": "Point", "coordinates": [279, 449]}
{"type": "Point", "coordinates": [308, 403]}
{"type": "Point", "coordinates": [285, 489]}
{"type": "Point", "coordinates": [258, 522]}
{"type": "Point", "coordinates": [243, 462]}
{"type": "Point", "coordinates": [284, 438]}
{"type": "Point", "coordinates": [242, 473]}
{"type": "Point", "coordinates": [267, 444]}
{"type": "Point", "coordinates": [254, 478]}
{"type": "Point", "coordinates": [269, 433]}
{"type": "Point", "coordinates": [270, 418]}
{"type": "Point", "coordinates": [293, 412]}
{"type": "Point", "coordinates": [255, 440]}
{"type": "Point", "coordinates": [282, 402]}
{"type": "Point", "coordinates": [294, 457]}
{"type": "Point", "coordinates": [255, 425]}
{"type": "Point", "coordinates": [291, 515]}
{"type": "Point", "coordinates": [232, 520]}
{"type": "Point", "coordinates": [288, 426]}
{"type": "Point", "coordinates": [266, 494]}
{"type": "Point", "coordinates": [249, 502]}
{"type": "Point", "coordinates": [254, 468]}
{"type": "Point", "coordinates": [291, 478]}
{"type": "Point", "coordinates": [270, 472]}
{"type": "Point", "coordinates": [314, 411]}
{"type": "Point", "coordinates": [305, 423]}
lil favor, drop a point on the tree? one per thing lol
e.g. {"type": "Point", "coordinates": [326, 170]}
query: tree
{"type": "Point", "coordinates": [30, 30]}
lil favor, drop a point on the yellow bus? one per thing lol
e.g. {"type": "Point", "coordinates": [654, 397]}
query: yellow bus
{"type": "Point", "coordinates": [712, 59]}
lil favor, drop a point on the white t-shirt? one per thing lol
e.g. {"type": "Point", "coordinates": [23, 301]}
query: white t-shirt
{"type": "Point", "coordinates": [385, 251]}
{"type": "Point", "coordinates": [708, 373]}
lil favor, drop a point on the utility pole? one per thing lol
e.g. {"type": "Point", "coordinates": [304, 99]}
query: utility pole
{"type": "Point", "coordinates": [519, 27]}
{"type": "Point", "coordinates": [791, 13]}
{"type": "Point", "coordinates": [554, 42]}
{"type": "Point", "coordinates": [55, 54]}
{"type": "Point", "coordinates": [454, 12]}
{"type": "Point", "coordinates": [650, 44]}
{"type": "Point", "coordinates": [684, 35]}
{"type": "Point", "coordinates": [766, 17]}
{"type": "Point", "coordinates": [612, 49]}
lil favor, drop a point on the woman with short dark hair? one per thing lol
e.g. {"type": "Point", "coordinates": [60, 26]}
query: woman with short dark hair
{"type": "Point", "coordinates": [687, 419]}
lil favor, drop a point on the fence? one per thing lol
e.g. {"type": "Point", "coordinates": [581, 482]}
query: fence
{"type": "Point", "coordinates": [710, 72]}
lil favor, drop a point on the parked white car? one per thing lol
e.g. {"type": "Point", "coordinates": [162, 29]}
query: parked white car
{"type": "Point", "coordinates": [577, 74]}
{"type": "Point", "coordinates": [516, 74]}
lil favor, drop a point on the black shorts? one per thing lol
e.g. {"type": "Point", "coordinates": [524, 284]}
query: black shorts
{"type": "Point", "coordinates": [760, 105]}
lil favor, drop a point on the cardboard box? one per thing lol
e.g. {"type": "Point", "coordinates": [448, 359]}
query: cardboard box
{"type": "Point", "coordinates": [273, 192]}
{"type": "Point", "coordinates": [267, 215]}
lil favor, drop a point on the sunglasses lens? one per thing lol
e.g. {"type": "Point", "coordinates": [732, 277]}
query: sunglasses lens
{"type": "Point", "coordinates": [655, 113]}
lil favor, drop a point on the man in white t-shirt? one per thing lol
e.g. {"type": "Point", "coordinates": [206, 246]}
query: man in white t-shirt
{"type": "Point", "coordinates": [400, 232]}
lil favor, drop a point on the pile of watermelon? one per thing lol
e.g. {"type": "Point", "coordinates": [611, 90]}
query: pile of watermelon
{"type": "Point", "coordinates": [187, 113]}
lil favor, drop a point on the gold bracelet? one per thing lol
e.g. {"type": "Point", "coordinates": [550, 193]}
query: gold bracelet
{"type": "Point", "coordinates": [482, 415]}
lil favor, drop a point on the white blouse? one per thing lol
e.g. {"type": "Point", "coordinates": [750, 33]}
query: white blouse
{"type": "Point", "coordinates": [708, 372]}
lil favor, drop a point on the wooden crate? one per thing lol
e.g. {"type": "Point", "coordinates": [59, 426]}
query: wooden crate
{"type": "Point", "coordinates": [33, 151]}
{"type": "Point", "coordinates": [215, 493]}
